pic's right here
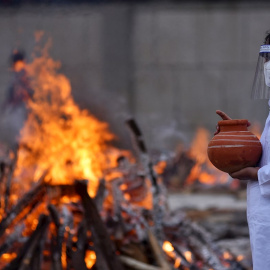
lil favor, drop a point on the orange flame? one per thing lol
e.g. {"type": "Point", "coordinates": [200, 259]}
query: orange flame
{"type": "Point", "coordinates": [7, 257]}
{"type": "Point", "coordinates": [57, 135]}
{"type": "Point", "coordinates": [198, 151]}
{"type": "Point", "coordinates": [19, 65]}
{"type": "Point", "coordinates": [169, 249]}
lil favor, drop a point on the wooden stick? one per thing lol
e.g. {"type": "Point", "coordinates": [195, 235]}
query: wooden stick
{"type": "Point", "coordinates": [137, 265]}
{"type": "Point", "coordinates": [100, 195]}
{"type": "Point", "coordinates": [29, 256]}
{"type": "Point", "coordinates": [38, 255]}
{"type": "Point", "coordinates": [158, 252]}
{"type": "Point", "coordinates": [11, 239]}
{"type": "Point", "coordinates": [95, 224]}
{"type": "Point", "coordinates": [158, 212]}
{"type": "Point", "coordinates": [200, 243]}
{"type": "Point", "coordinates": [56, 244]}
{"type": "Point", "coordinates": [58, 239]}
{"type": "Point", "coordinates": [78, 256]}
{"type": "Point", "coordinates": [30, 198]}
{"type": "Point", "coordinates": [139, 141]}
{"type": "Point", "coordinates": [23, 260]}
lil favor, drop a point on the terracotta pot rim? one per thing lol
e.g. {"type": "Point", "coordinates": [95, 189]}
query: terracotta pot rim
{"type": "Point", "coordinates": [233, 122]}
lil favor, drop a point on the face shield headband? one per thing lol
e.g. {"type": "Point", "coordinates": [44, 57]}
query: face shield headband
{"type": "Point", "coordinates": [261, 83]}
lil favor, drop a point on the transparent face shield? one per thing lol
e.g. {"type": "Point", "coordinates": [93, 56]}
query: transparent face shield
{"type": "Point", "coordinates": [261, 83]}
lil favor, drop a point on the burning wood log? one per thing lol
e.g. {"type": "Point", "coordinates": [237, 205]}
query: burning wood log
{"type": "Point", "coordinates": [158, 212]}
{"type": "Point", "coordinates": [25, 257]}
{"type": "Point", "coordinates": [11, 239]}
{"type": "Point", "coordinates": [38, 255]}
{"type": "Point", "coordinates": [56, 243]}
{"type": "Point", "coordinates": [100, 195]}
{"type": "Point", "coordinates": [30, 198]}
{"type": "Point", "coordinates": [78, 255]}
{"type": "Point", "coordinates": [103, 245]}
{"type": "Point", "coordinates": [58, 239]}
{"type": "Point", "coordinates": [139, 142]}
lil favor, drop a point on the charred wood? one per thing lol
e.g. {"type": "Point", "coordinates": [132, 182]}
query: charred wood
{"type": "Point", "coordinates": [60, 229]}
{"type": "Point", "coordinates": [78, 255]}
{"type": "Point", "coordinates": [100, 195]}
{"type": "Point", "coordinates": [25, 256]}
{"type": "Point", "coordinates": [56, 243]}
{"type": "Point", "coordinates": [11, 239]}
{"type": "Point", "coordinates": [158, 212]}
{"type": "Point", "coordinates": [202, 244]}
{"type": "Point", "coordinates": [140, 145]}
{"type": "Point", "coordinates": [100, 236]}
{"type": "Point", "coordinates": [29, 199]}
{"type": "Point", "coordinates": [38, 254]}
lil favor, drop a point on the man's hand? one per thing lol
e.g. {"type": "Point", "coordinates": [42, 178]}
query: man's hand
{"type": "Point", "coordinates": [249, 173]}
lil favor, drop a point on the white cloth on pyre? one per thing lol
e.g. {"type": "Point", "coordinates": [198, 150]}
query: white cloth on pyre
{"type": "Point", "coordinates": [258, 206]}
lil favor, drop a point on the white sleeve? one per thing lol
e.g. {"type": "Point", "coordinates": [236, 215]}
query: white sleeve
{"type": "Point", "coordinates": [264, 180]}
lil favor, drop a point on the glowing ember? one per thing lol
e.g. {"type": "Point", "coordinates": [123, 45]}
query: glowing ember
{"type": "Point", "coordinates": [167, 246]}
{"type": "Point", "coordinates": [227, 255]}
{"type": "Point", "coordinates": [169, 249]}
{"type": "Point", "coordinates": [177, 262]}
{"type": "Point", "coordinates": [7, 257]}
{"type": "Point", "coordinates": [240, 258]}
{"type": "Point", "coordinates": [90, 258]}
{"type": "Point", "coordinates": [160, 166]}
{"type": "Point", "coordinates": [188, 256]}
{"type": "Point", "coordinates": [18, 66]}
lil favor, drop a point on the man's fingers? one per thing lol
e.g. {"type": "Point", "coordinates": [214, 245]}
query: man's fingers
{"type": "Point", "coordinates": [223, 115]}
{"type": "Point", "coordinates": [249, 173]}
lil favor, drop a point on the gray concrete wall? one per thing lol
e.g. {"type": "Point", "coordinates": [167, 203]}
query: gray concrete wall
{"type": "Point", "coordinates": [170, 66]}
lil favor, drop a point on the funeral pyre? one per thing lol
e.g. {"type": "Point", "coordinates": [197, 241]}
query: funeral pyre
{"type": "Point", "coordinates": [70, 200]}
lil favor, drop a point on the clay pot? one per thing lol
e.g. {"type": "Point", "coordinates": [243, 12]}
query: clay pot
{"type": "Point", "coordinates": [234, 147]}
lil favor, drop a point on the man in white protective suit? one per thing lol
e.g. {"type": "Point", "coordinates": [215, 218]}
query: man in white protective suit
{"type": "Point", "coordinates": [258, 188]}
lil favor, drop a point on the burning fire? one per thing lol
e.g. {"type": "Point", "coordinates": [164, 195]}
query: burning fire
{"type": "Point", "coordinates": [58, 136]}
{"type": "Point", "coordinates": [69, 143]}
{"type": "Point", "coordinates": [203, 170]}
{"type": "Point", "coordinates": [169, 250]}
